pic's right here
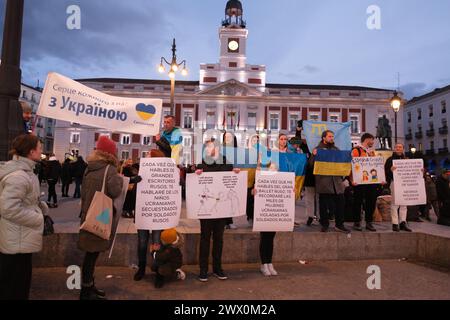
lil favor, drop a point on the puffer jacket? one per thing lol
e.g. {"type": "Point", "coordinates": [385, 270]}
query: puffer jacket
{"type": "Point", "coordinates": [21, 211]}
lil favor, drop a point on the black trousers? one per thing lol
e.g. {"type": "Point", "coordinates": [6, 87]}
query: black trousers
{"type": "Point", "coordinates": [143, 239]}
{"type": "Point", "coordinates": [331, 205]}
{"type": "Point", "coordinates": [88, 269]}
{"type": "Point", "coordinates": [266, 247]}
{"type": "Point", "coordinates": [52, 190]}
{"type": "Point", "coordinates": [77, 193]}
{"type": "Point", "coordinates": [65, 188]}
{"type": "Point", "coordinates": [214, 228]}
{"type": "Point", "coordinates": [364, 197]}
{"type": "Point", "coordinates": [250, 204]}
{"type": "Point", "coordinates": [15, 276]}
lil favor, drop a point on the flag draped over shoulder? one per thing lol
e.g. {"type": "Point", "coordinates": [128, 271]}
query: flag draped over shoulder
{"type": "Point", "coordinates": [294, 162]}
{"type": "Point", "coordinates": [313, 132]}
{"type": "Point", "coordinates": [333, 163]}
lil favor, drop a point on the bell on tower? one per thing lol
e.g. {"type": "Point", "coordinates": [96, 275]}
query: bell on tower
{"type": "Point", "coordinates": [233, 15]}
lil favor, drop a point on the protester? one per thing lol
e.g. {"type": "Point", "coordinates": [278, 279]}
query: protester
{"type": "Point", "coordinates": [66, 178]}
{"type": "Point", "coordinates": [170, 140]}
{"type": "Point", "coordinates": [443, 190]}
{"type": "Point", "coordinates": [53, 173]}
{"type": "Point", "coordinates": [432, 197]}
{"type": "Point", "coordinates": [144, 236]}
{"type": "Point", "coordinates": [230, 141]}
{"type": "Point", "coordinates": [27, 115]}
{"type": "Point", "coordinates": [330, 189]}
{"type": "Point", "coordinates": [213, 161]}
{"type": "Point", "coordinates": [129, 205]}
{"type": "Point", "coordinates": [282, 144]}
{"type": "Point", "coordinates": [169, 259]}
{"type": "Point", "coordinates": [22, 218]}
{"type": "Point", "coordinates": [396, 211]}
{"type": "Point", "coordinates": [254, 149]}
{"type": "Point", "coordinates": [364, 196]}
{"type": "Point", "coordinates": [105, 155]}
{"type": "Point", "coordinates": [78, 169]}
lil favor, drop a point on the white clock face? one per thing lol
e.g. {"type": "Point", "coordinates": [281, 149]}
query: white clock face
{"type": "Point", "coordinates": [233, 45]}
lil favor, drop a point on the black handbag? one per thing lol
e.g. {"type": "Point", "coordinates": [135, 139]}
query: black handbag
{"type": "Point", "coordinates": [48, 226]}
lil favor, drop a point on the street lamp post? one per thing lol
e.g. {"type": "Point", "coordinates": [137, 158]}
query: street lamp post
{"type": "Point", "coordinates": [11, 122]}
{"type": "Point", "coordinates": [396, 103]}
{"type": "Point", "coordinates": [174, 67]}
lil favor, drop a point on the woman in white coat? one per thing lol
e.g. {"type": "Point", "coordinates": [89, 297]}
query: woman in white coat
{"type": "Point", "coordinates": [21, 218]}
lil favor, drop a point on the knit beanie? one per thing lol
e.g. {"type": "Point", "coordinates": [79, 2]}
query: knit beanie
{"type": "Point", "coordinates": [169, 236]}
{"type": "Point", "coordinates": [105, 144]}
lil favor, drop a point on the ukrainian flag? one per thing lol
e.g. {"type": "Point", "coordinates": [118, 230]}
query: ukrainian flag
{"type": "Point", "coordinates": [291, 162]}
{"type": "Point", "coordinates": [333, 163]}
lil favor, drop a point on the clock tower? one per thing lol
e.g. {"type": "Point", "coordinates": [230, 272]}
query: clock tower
{"type": "Point", "coordinates": [233, 37]}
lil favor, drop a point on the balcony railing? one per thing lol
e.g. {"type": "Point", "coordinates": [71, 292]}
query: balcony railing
{"type": "Point", "coordinates": [443, 130]}
{"type": "Point", "coordinates": [443, 150]}
{"type": "Point", "coordinates": [430, 152]}
{"type": "Point", "coordinates": [409, 136]}
{"type": "Point", "coordinates": [419, 135]}
{"type": "Point", "coordinates": [430, 133]}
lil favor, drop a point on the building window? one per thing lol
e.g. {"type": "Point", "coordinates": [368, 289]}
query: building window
{"type": "Point", "coordinates": [314, 117]}
{"type": "Point", "coordinates": [431, 125]}
{"type": "Point", "coordinates": [126, 139]}
{"type": "Point", "coordinates": [231, 119]}
{"type": "Point", "coordinates": [409, 117]}
{"type": "Point", "coordinates": [444, 143]}
{"type": "Point", "coordinates": [210, 120]}
{"type": "Point", "coordinates": [444, 123]}
{"type": "Point", "coordinates": [125, 155]}
{"type": "Point", "coordinates": [419, 114]}
{"type": "Point", "coordinates": [432, 145]}
{"type": "Point", "coordinates": [334, 118]}
{"type": "Point", "coordinates": [144, 154]}
{"type": "Point", "coordinates": [430, 109]}
{"type": "Point", "coordinates": [419, 128]}
{"type": "Point", "coordinates": [188, 119]}
{"type": "Point", "coordinates": [355, 124]}
{"type": "Point", "coordinates": [293, 120]}
{"type": "Point", "coordinates": [274, 121]}
{"type": "Point", "coordinates": [187, 141]}
{"type": "Point", "coordinates": [146, 140]}
{"type": "Point", "coordinates": [24, 94]}
{"type": "Point", "coordinates": [75, 137]}
{"type": "Point", "coordinates": [251, 121]}
{"type": "Point", "coordinates": [444, 106]}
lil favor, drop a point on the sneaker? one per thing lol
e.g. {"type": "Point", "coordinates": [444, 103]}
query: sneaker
{"type": "Point", "coordinates": [220, 275]}
{"type": "Point", "coordinates": [404, 227]}
{"type": "Point", "coordinates": [203, 277]}
{"type": "Point", "coordinates": [272, 270]}
{"type": "Point", "coordinates": [395, 228]}
{"type": "Point", "coordinates": [357, 226]}
{"type": "Point", "coordinates": [370, 227]}
{"type": "Point", "coordinates": [180, 274]}
{"type": "Point", "coordinates": [310, 221]}
{"type": "Point", "coordinates": [265, 270]}
{"type": "Point", "coordinates": [342, 229]}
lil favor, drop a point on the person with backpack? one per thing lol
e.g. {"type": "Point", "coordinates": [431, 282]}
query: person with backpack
{"type": "Point", "coordinates": [21, 218]}
{"type": "Point", "coordinates": [364, 196]}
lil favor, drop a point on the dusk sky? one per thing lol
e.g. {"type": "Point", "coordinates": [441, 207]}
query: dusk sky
{"type": "Point", "coordinates": [301, 42]}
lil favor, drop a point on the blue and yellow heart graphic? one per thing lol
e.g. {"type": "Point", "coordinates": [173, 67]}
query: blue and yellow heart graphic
{"type": "Point", "coordinates": [145, 112]}
{"type": "Point", "coordinates": [104, 217]}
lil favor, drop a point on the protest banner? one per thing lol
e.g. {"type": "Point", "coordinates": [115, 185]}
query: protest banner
{"type": "Point", "coordinates": [274, 201]}
{"type": "Point", "coordinates": [368, 170]}
{"type": "Point", "coordinates": [215, 195]}
{"type": "Point", "coordinates": [158, 200]}
{"type": "Point", "coordinates": [409, 184]}
{"type": "Point", "coordinates": [68, 100]}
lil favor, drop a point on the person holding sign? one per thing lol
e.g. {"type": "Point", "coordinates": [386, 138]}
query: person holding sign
{"type": "Point", "coordinates": [102, 166]}
{"type": "Point", "coordinates": [330, 189]}
{"type": "Point", "coordinates": [396, 210]}
{"type": "Point", "coordinates": [170, 140]}
{"type": "Point", "coordinates": [213, 161]}
{"type": "Point", "coordinates": [364, 195]}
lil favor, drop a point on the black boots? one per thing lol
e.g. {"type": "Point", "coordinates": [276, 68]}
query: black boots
{"type": "Point", "coordinates": [395, 228]}
{"type": "Point", "coordinates": [404, 227]}
{"type": "Point", "coordinates": [159, 281]}
{"type": "Point", "coordinates": [92, 293]}
{"type": "Point", "coordinates": [310, 221]}
{"type": "Point", "coordinates": [140, 274]}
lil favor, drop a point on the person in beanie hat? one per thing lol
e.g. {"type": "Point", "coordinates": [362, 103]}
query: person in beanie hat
{"type": "Point", "coordinates": [169, 259]}
{"type": "Point", "coordinates": [98, 162]}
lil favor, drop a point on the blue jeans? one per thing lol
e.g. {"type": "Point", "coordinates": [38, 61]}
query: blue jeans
{"type": "Point", "coordinates": [143, 238]}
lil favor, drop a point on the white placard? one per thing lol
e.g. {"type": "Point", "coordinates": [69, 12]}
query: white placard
{"type": "Point", "coordinates": [213, 195]}
{"type": "Point", "coordinates": [368, 170]}
{"type": "Point", "coordinates": [409, 184]}
{"type": "Point", "coordinates": [158, 201]}
{"type": "Point", "coordinates": [274, 201]}
{"type": "Point", "coordinates": [68, 100]}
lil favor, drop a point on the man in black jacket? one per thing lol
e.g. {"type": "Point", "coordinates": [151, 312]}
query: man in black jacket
{"type": "Point", "coordinates": [443, 190]}
{"type": "Point", "coordinates": [53, 172]}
